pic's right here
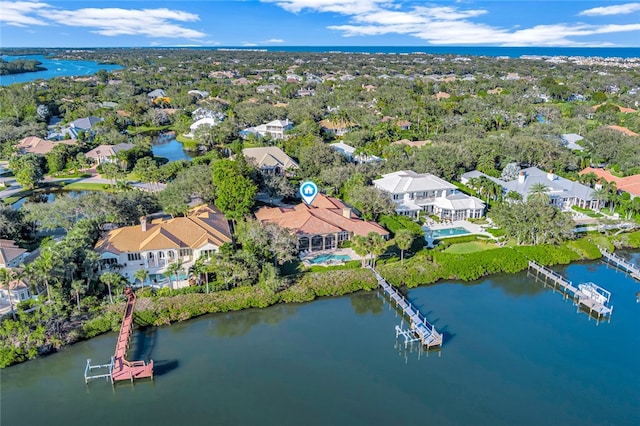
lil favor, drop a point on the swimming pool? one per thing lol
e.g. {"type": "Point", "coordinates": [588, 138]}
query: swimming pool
{"type": "Point", "coordinates": [329, 257]}
{"type": "Point", "coordinates": [447, 232]}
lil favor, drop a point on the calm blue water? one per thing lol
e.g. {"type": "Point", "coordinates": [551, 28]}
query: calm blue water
{"type": "Point", "coordinates": [448, 232]}
{"type": "Point", "coordinates": [514, 353]}
{"type": "Point", "coordinates": [46, 197]}
{"type": "Point", "coordinates": [512, 52]}
{"type": "Point", "coordinates": [170, 148]}
{"type": "Point", "coordinates": [55, 68]}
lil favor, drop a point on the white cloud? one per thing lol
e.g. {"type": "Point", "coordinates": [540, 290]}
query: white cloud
{"type": "Point", "coordinates": [161, 22]}
{"type": "Point", "coordinates": [345, 7]}
{"type": "Point", "coordinates": [448, 25]}
{"type": "Point", "coordinates": [619, 9]}
{"type": "Point", "coordinates": [248, 44]}
{"type": "Point", "coordinates": [117, 21]}
{"type": "Point", "coordinates": [274, 40]}
{"type": "Point", "coordinates": [19, 13]}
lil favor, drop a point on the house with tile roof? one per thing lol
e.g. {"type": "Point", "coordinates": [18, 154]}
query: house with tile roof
{"type": "Point", "coordinates": [154, 245]}
{"type": "Point", "coordinates": [39, 146]}
{"type": "Point", "coordinates": [321, 226]}
{"type": "Point", "coordinates": [11, 256]}
{"type": "Point", "coordinates": [563, 193]}
{"type": "Point", "coordinates": [270, 159]}
{"type": "Point", "coordinates": [630, 184]}
{"type": "Point", "coordinates": [13, 292]}
{"type": "Point", "coordinates": [107, 153]}
{"type": "Point", "coordinates": [623, 130]}
{"type": "Point", "coordinates": [336, 128]}
{"type": "Point", "coordinates": [415, 192]}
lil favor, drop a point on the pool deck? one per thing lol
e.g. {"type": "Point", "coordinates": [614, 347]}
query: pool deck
{"type": "Point", "coordinates": [473, 228]}
{"type": "Point", "coordinates": [304, 257]}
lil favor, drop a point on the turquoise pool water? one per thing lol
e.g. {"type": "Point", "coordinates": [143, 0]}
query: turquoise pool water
{"type": "Point", "coordinates": [323, 258]}
{"type": "Point", "coordinates": [448, 232]}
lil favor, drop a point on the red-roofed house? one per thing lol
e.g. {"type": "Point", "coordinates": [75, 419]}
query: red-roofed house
{"type": "Point", "coordinates": [630, 184]}
{"type": "Point", "coordinates": [322, 226]}
{"type": "Point", "coordinates": [10, 254]}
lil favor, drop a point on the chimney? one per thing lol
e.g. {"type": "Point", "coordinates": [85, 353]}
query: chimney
{"type": "Point", "coordinates": [143, 223]}
{"type": "Point", "coordinates": [521, 177]}
{"type": "Point", "coordinates": [550, 175]}
{"type": "Point", "coordinates": [346, 212]}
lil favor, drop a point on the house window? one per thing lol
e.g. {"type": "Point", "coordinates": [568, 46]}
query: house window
{"type": "Point", "coordinates": [161, 255]}
{"type": "Point", "coordinates": [133, 256]}
{"type": "Point", "coordinates": [343, 236]}
{"type": "Point", "coordinates": [171, 254]}
{"type": "Point", "coordinates": [185, 252]}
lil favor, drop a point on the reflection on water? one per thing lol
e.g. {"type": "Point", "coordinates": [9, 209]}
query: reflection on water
{"type": "Point", "coordinates": [45, 197]}
{"type": "Point", "coordinates": [365, 303]}
{"type": "Point", "coordinates": [509, 356]}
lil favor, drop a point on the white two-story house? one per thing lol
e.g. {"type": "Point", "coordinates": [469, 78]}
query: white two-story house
{"type": "Point", "coordinates": [415, 192]}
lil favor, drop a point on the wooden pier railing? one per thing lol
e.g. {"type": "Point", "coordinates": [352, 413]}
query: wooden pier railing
{"type": "Point", "coordinates": [620, 263]}
{"type": "Point", "coordinates": [591, 297]}
{"type": "Point", "coordinates": [420, 329]}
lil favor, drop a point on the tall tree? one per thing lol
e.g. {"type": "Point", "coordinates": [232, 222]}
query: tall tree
{"type": "Point", "coordinates": [404, 240]}
{"type": "Point", "coordinates": [236, 191]}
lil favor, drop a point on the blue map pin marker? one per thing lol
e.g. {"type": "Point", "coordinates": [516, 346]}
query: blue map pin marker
{"type": "Point", "coordinates": [308, 191]}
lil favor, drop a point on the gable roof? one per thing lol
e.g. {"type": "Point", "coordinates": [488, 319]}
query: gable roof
{"type": "Point", "coordinates": [103, 151]}
{"type": "Point", "coordinates": [554, 183]}
{"type": "Point", "coordinates": [39, 146]}
{"type": "Point", "coordinates": [9, 251]}
{"type": "Point", "coordinates": [204, 225]}
{"type": "Point", "coordinates": [269, 156]}
{"type": "Point", "coordinates": [85, 123]}
{"type": "Point", "coordinates": [410, 181]}
{"type": "Point", "coordinates": [326, 216]}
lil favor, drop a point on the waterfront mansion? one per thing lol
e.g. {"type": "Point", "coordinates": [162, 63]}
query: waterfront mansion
{"type": "Point", "coordinates": [563, 193]}
{"type": "Point", "coordinates": [415, 192]}
{"type": "Point", "coordinates": [154, 245]}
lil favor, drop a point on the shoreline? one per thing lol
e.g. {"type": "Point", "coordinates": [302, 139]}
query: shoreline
{"type": "Point", "coordinates": [188, 304]}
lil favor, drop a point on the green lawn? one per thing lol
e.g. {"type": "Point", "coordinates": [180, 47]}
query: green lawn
{"type": "Point", "coordinates": [88, 186]}
{"type": "Point", "coordinates": [470, 247]}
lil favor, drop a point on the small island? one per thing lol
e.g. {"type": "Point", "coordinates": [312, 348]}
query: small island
{"type": "Point", "coordinates": [20, 66]}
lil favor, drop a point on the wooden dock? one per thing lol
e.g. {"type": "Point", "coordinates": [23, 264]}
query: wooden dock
{"type": "Point", "coordinates": [597, 308]}
{"type": "Point", "coordinates": [120, 368]}
{"type": "Point", "coordinates": [621, 264]}
{"type": "Point", "coordinates": [420, 330]}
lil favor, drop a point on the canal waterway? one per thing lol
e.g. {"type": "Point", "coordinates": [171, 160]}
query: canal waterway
{"type": "Point", "coordinates": [166, 145]}
{"type": "Point", "coordinates": [514, 353]}
{"type": "Point", "coordinates": [54, 68]}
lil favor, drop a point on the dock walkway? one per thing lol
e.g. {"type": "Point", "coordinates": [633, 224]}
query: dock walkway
{"type": "Point", "coordinates": [420, 329]}
{"type": "Point", "coordinates": [590, 302]}
{"type": "Point", "coordinates": [620, 263]}
{"type": "Point", "coordinates": [119, 368]}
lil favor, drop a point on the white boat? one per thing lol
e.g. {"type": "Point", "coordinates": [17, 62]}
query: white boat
{"type": "Point", "coordinates": [594, 292]}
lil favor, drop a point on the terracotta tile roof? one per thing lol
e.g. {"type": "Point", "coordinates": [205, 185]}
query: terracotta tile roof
{"type": "Point", "coordinates": [620, 108]}
{"type": "Point", "coordinates": [623, 130]}
{"type": "Point", "coordinates": [630, 184]}
{"type": "Point", "coordinates": [326, 216]}
{"type": "Point", "coordinates": [203, 225]}
{"type": "Point", "coordinates": [39, 146]}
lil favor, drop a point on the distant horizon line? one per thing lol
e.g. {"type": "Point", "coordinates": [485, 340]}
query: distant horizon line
{"type": "Point", "coordinates": [271, 46]}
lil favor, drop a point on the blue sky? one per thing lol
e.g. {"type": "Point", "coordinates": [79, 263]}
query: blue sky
{"type": "Point", "coordinates": [98, 23]}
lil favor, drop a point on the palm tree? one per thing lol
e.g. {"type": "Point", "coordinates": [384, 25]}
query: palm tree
{"type": "Point", "coordinates": [173, 269]}
{"type": "Point", "coordinates": [46, 263]}
{"type": "Point", "coordinates": [600, 194]}
{"type": "Point", "coordinates": [360, 245]}
{"type": "Point", "coordinates": [200, 268]}
{"type": "Point", "coordinates": [538, 192]}
{"type": "Point", "coordinates": [6, 276]}
{"type": "Point", "coordinates": [142, 275]}
{"type": "Point", "coordinates": [377, 245]}
{"type": "Point", "coordinates": [110, 279]}
{"type": "Point", "coordinates": [78, 288]}
{"type": "Point", "coordinates": [404, 240]}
